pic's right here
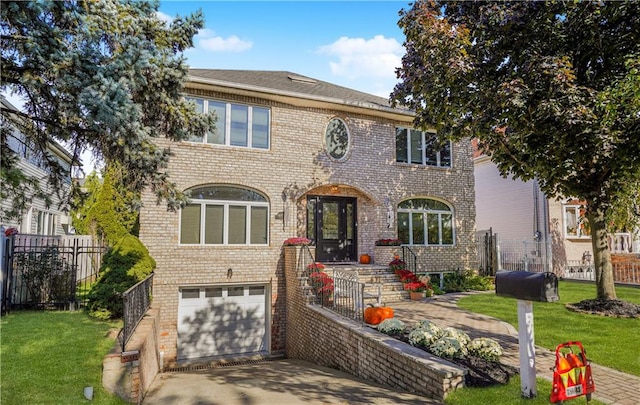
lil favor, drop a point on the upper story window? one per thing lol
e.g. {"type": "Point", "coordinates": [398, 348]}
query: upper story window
{"type": "Point", "coordinates": [224, 215]}
{"type": "Point", "coordinates": [575, 222]}
{"type": "Point", "coordinates": [417, 147]}
{"type": "Point", "coordinates": [425, 221]}
{"type": "Point", "coordinates": [236, 125]}
{"type": "Point", "coordinates": [336, 138]}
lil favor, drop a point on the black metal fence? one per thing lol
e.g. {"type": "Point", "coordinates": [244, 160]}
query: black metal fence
{"type": "Point", "coordinates": [49, 272]}
{"type": "Point", "coordinates": [137, 301]}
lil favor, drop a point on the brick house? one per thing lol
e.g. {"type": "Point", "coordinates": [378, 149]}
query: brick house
{"type": "Point", "coordinates": [292, 156]}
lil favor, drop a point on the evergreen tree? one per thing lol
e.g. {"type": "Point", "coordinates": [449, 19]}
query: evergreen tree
{"type": "Point", "coordinates": [104, 76]}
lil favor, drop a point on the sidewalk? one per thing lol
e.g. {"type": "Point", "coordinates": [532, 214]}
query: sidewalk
{"type": "Point", "coordinates": [612, 387]}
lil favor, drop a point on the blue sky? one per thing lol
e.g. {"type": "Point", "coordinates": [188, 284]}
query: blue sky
{"type": "Point", "coordinates": [356, 44]}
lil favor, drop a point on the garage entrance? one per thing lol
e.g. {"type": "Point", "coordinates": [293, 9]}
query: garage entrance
{"type": "Point", "coordinates": [222, 321]}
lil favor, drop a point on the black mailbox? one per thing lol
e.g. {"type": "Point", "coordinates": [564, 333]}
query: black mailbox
{"type": "Point", "coordinates": [527, 285]}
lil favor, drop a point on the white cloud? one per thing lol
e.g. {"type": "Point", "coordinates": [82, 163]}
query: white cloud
{"type": "Point", "coordinates": [209, 41]}
{"type": "Point", "coordinates": [164, 17]}
{"type": "Point", "coordinates": [359, 57]}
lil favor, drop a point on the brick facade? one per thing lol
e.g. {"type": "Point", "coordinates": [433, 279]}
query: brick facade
{"type": "Point", "coordinates": [322, 337]}
{"type": "Point", "coordinates": [297, 165]}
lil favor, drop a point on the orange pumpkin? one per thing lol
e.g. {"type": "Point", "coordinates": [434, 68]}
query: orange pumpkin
{"type": "Point", "coordinates": [365, 259]}
{"type": "Point", "coordinates": [375, 315]}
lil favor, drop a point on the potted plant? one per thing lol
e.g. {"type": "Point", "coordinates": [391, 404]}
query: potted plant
{"type": "Point", "coordinates": [416, 289]}
{"type": "Point", "coordinates": [321, 282]}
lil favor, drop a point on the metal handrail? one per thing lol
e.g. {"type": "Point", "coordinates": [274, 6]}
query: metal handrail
{"type": "Point", "coordinates": [136, 301]}
{"type": "Point", "coordinates": [410, 258]}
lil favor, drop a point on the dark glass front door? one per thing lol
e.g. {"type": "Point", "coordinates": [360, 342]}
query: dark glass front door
{"type": "Point", "coordinates": [331, 224]}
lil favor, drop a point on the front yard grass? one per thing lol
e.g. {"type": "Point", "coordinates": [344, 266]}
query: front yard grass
{"type": "Point", "coordinates": [508, 394]}
{"type": "Point", "coordinates": [610, 342]}
{"type": "Point", "coordinates": [49, 357]}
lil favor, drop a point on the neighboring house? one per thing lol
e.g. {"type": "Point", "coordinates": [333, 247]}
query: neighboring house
{"type": "Point", "coordinates": [292, 157]}
{"type": "Point", "coordinates": [38, 218]}
{"type": "Point", "coordinates": [552, 232]}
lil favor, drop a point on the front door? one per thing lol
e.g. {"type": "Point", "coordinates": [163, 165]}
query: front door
{"type": "Point", "coordinates": [331, 224]}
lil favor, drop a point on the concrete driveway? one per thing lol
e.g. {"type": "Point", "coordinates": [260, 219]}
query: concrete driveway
{"type": "Point", "coordinates": [276, 382]}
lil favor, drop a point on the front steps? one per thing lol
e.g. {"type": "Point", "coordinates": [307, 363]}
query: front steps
{"type": "Point", "coordinates": [377, 278]}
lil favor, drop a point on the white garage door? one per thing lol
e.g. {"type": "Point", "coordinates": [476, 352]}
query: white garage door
{"type": "Point", "coordinates": [221, 320]}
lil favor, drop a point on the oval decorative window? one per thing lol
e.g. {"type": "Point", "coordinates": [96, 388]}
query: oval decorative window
{"type": "Point", "coordinates": [336, 138]}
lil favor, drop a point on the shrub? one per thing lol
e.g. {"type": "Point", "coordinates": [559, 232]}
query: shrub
{"type": "Point", "coordinates": [392, 326]}
{"type": "Point", "coordinates": [125, 264]}
{"type": "Point", "coordinates": [466, 281]}
{"type": "Point", "coordinates": [397, 264]}
{"type": "Point", "coordinates": [456, 334]}
{"type": "Point", "coordinates": [423, 337]}
{"type": "Point", "coordinates": [485, 348]}
{"type": "Point", "coordinates": [448, 347]}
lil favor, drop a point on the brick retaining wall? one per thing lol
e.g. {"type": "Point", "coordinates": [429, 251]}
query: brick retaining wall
{"type": "Point", "coordinates": [317, 335]}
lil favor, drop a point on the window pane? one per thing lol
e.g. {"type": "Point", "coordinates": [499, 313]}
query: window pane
{"type": "Point", "coordinates": [571, 223]}
{"type": "Point", "coordinates": [416, 146]}
{"type": "Point", "coordinates": [447, 229]}
{"type": "Point", "coordinates": [259, 225]}
{"type": "Point", "coordinates": [227, 193]}
{"type": "Point", "coordinates": [256, 290]}
{"type": "Point", "coordinates": [350, 221]}
{"type": "Point", "coordinates": [199, 108]}
{"type": "Point", "coordinates": [445, 155]}
{"type": "Point", "coordinates": [217, 136]}
{"type": "Point", "coordinates": [239, 125]}
{"type": "Point", "coordinates": [190, 224]}
{"type": "Point", "coordinates": [311, 219]}
{"type": "Point", "coordinates": [237, 224]}
{"type": "Point", "coordinates": [337, 138]}
{"type": "Point", "coordinates": [213, 292]}
{"type": "Point", "coordinates": [403, 227]}
{"type": "Point", "coordinates": [330, 220]}
{"type": "Point", "coordinates": [401, 145]}
{"type": "Point", "coordinates": [188, 293]}
{"type": "Point", "coordinates": [417, 222]}
{"type": "Point", "coordinates": [431, 154]}
{"type": "Point", "coordinates": [434, 229]}
{"type": "Point", "coordinates": [214, 225]}
{"type": "Point", "coordinates": [235, 292]}
{"type": "Point", "coordinates": [260, 128]}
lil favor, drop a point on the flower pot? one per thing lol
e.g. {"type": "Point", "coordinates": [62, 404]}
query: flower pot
{"type": "Point", "coordinates": [416, 295]}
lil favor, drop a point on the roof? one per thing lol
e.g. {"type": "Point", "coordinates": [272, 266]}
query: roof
{"type": "Point", "coordinates": [293, 85]}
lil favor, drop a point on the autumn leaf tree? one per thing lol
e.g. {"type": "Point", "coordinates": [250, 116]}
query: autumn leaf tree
{"type": "Point", "coordinates": [104, 76]}
{"type": "Point", "coordinates": [551, 90]}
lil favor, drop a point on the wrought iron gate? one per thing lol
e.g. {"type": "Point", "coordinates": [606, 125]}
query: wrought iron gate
{"type": "Point", "coordinates": [49, 272]}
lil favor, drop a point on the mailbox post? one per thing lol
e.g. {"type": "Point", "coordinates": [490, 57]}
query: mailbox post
{"type": "Point", "coordinates": [527, 287]}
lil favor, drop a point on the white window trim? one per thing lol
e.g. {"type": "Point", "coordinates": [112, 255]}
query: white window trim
{"type": "Point", "coordinates": [424, 220]}
{"type": "Point", "coordinates": [565, 214]}
{"type": "Point", "coordinates": [225, 230]}
{"type": "Point", "coordinates": [227, 124]}
{"type": "Point", "coordinates": [423, 150]}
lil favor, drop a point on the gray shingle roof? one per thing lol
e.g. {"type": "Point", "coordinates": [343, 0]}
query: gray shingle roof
{"type": "Point", "coordinates": [288, 82]}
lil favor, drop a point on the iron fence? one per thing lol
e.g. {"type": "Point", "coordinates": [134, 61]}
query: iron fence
{"type": "Point", "coordinates": [137, 301]}
{"type": "Point", "coordinates": [49, 272]}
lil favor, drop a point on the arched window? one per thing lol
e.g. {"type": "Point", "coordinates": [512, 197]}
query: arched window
{"type": "Point", "coordinates": [224, 215]}
{"type": "Point", "coordinates": [425, 221]}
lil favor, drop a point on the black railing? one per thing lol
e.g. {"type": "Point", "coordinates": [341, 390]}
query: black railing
{"type": "Point", "coordinates": [348, 295]}
{"type": "Point", "coordinates": [410, 259]}
{"type": "Point", "coordinates": [137, 301]}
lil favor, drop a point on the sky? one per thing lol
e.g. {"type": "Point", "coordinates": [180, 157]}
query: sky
{"type": "Point", "coordinates": [356, 44]}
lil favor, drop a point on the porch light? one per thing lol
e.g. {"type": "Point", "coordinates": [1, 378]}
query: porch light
{"type": "Point", "coordinates": [334, 189]}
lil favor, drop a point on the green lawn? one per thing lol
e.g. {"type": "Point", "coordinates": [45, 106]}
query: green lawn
{"type": "Point", "coordinates": [611, 342]}
{"type": "Point", "coordinates": [509, 394]}
{"type": "Point", "coordinates": [49, 357]}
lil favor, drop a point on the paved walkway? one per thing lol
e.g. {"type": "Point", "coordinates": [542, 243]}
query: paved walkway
{"type": "Point", "coordinates": [612, 387]}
